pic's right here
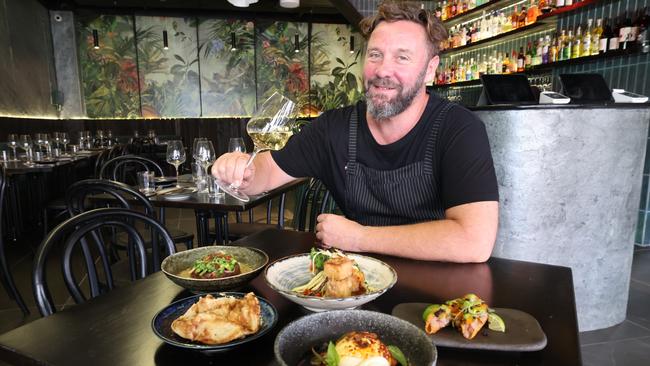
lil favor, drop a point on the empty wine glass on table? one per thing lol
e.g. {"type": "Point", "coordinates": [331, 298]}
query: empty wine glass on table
{"type": "Point", "coordinates": [204, 154]}
{"type": "Point", "coordinates": [175, 155]}
{"type": "Point", "coordinates": [12, 141]}
{"type": "Point", "coordinates": [26, 144]}
{"type": "Point", "coordinates": [270, 128]}
{"type": "Point", "coordinates": [64, 141]}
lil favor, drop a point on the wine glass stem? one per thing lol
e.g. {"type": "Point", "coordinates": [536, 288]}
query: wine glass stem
{"type": "Point", "coordinates": [250, 161]}
{"type": "Point", "coordinates": [177, 183]}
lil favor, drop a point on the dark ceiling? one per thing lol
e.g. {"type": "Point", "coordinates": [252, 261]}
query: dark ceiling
{"type": "Point", "coordinates": [308, 9]}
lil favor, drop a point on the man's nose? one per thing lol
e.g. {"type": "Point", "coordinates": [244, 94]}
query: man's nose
{"type": "Point", "coordinates": [384, 68]}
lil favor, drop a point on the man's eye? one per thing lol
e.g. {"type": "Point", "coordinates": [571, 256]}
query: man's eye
{"type": "Point", "coordinates": [403, 58]}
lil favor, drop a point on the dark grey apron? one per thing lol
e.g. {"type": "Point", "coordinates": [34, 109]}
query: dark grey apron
{"type": "Point", "coordinates": [406, 195]}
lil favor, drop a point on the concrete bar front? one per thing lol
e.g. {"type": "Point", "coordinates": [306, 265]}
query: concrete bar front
{"type": "Point", "coordinates": [569, 184]}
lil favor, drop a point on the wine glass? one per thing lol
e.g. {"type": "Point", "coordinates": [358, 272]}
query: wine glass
{"type": "Point", "coordinates": [204, 154]}
{"type": "Point", "coordinates": [12, 141]}
{"type": "Point", "coordinates": [270, 128]}
{"type": "Point", "coordinates": [64, 140]}
{"type": "Point", "coordinates": [175, 155]}
{"type": "Point", "coordinates": [26, 144]}
{"type": "Point", "coordinates": [236, 144]}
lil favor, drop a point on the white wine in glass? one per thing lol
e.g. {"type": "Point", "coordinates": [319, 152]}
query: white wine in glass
{"type": "Point", "coordinates": [270, 128]}
{"type": "Point", "coordinates": [175, 155]}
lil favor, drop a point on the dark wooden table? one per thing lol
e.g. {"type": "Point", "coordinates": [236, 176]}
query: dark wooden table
{"type": "Point", "coordinates": [205, 207]}
{"type": "Point", "coordinates": [115, 329]}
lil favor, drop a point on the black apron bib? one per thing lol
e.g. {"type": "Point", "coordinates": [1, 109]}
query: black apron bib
{"type": "Point", "coordinates": [406, 195]}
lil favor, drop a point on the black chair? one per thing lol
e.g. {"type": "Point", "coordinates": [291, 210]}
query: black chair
{"type": "Point", "coordinates": [122, 195]}
{"type": "Point", "coordinates": [123, 168]}
{"type": "Point", "coordinates": [83, 235]}
{"type": "Point", "coordinates": [314, 200]}
{"type": "Point", "coordinates": [5, 276]}
{"type": "Point", "coordinates": [247, 226]}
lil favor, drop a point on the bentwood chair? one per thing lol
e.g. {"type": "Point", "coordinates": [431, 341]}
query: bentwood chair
{"type": "Point", "coordinates": [123, 168]}
{"type": "Point", "coordinates": [86, 268]}
{"type": "Point", "coordinates": [5, 272]}
{"type": "Point", "coordinates": [121, 195]}
{"type": "Point", "coordinates": [313, 201]}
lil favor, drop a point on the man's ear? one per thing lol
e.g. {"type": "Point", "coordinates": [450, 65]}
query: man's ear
{"type": "Point", "coordinates": [432, 66]}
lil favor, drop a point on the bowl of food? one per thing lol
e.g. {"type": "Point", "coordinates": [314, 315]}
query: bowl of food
{"type": "Point", "coordinates": [355, 337]}
{"type": "Point", "coordinates": [214, 268]}
{"type": "Point", "coordinates": [329, 279]}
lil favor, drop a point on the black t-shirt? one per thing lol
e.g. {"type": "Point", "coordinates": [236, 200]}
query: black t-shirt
{"type": "Point", "coordinates": [463, 160]}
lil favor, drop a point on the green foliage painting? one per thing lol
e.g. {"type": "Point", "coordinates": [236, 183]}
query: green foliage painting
{"type": "Point", "coordinates": [279, 67]}
{"type": "Point", "coordinates": [227, 72]}
{"type": "Point", "coordinates": [109, 74]}
{"type": "Point", "coordinates": [335, 70]}
{"type": "Point", "coordinates": [169, 77]}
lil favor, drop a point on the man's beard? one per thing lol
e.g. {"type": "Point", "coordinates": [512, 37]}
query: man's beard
{"type": "Point", "coordinates": [386, 108]}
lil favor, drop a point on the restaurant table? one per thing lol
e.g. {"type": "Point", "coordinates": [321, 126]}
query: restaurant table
{"type": "Point", "coordinates": [204, 207]}
{"type": "Point", "coordinates": [115, 328]}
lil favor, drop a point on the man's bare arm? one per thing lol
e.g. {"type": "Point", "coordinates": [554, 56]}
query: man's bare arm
{"type": "Point", "coordinates": [467, 234]}
{"type": "Point", "coordinates": [262, 175]}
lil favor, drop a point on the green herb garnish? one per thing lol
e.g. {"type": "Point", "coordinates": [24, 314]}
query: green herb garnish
{"type": "Point", "coordinates": [332, 357]}
{"type": "Point", "coordinates": [398, 355]}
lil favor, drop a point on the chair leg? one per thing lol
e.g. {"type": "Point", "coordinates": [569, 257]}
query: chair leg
{"type": "Point", "coordinates": [8, 282]}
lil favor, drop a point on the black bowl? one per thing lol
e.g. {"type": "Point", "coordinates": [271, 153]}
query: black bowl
{"type": "Point", "coordinates": [295, 341]}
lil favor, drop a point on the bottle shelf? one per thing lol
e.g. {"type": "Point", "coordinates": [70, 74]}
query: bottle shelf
{"type": "Point", "coordinates": [551, 65]}
{"type": "Point", "coordinates": [487, 7]}
{"type": "Point", "coordinates": [542, 20]}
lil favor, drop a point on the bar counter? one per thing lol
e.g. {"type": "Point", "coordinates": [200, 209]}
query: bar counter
{"type": "Point", "coordinates": [569, 186]}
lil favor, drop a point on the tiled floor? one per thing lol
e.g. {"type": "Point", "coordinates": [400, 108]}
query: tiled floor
{"type": "Point", "coordinates": [626, 344]}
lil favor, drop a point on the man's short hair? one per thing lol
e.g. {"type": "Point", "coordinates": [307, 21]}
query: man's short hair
{"type": "Point", "coordinates": [392, 11]}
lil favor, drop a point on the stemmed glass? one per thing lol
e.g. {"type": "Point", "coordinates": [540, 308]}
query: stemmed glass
{"type": "Point", "coordinates": [26, 144]}
{"type": "Point", "coordinates": [236, 144]}
{"type": "Point", "coordinates": [204, 154]}
{"type": "Point", "coordinates": [12, 140]}
{"type": "Point", "coordinates": [270, 128]}
{"type": "Point", "coordinates": [175, 155]}
{"type": "Point", "coordinates": [64, 141]}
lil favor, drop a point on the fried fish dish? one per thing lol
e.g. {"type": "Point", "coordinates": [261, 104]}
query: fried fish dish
{"type": "Point", "coordinates": [219, 320]}
{"type": "Point", "coordinates": [468, 314]}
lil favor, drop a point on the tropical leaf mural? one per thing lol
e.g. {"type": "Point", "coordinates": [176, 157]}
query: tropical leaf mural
{"type": "Point", "coordinates": [336, 67]}
{"type": "Point", "coordinates": [227, 72]}
{"type": "Point", "coordinates": [279, 67]}
{"type": "Point", "coordinates": [169, 77]}
{"type": "Point", "coordinates": [109, 74]}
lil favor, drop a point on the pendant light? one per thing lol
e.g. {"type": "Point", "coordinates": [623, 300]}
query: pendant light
{"type": "Point", "coordinates": [95, 39]}
{"type": "Point", "coordinates": [165, 41]}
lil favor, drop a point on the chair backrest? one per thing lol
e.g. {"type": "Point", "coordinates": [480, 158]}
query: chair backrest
{"type": "Point", "coordinates": [123, 168]}
{"type": "Point", "coordinates": [122, 195]}
{"type": "Point", "coordinates": [269, 212]}
{"type": "Point", "coordinates": [82, 234]}
{"type": "Point", "coordinates": [314, 200]}
{"type": "Point", "coordinates": [102, 158]}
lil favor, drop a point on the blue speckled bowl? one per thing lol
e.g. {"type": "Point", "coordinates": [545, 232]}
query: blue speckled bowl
{"type": "Point", "coordinates": [162, 323]}
{"type": "Point", "coordinates": [295, 341]}
{"type": "Point", "coordinates": [175, 263]}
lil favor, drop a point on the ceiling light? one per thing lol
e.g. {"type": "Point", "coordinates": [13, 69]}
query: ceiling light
{"type": "Point", "coordinates": [289, 3]}
{"type": "Point", "coordinates": [351, 44]}
{"type": "Point", "coordinates": [296, 44]}
{"type": "Point", "coordinates": [95, 39]}
{"type": "Point", "coordinates": [165, 41]}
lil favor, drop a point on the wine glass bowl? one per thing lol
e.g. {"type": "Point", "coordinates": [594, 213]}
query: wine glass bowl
{"type": "Point", "coordinates": [270, 128]}
{"type": "Point", "coordinates": [176, 155]}
{"type": "Point", "coordinates": [12, 141]}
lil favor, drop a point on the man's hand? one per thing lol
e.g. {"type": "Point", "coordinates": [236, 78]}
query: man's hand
{"type": "Point", "coordinates": [337, 231]}
{"type": "Point", "coordinates": [231, 168]}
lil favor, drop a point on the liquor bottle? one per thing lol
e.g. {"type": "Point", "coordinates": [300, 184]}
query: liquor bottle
{"type": "Point", "coordinates": [531, 15]}
{"type": "Point", "coordinates": [568, 45]}
{"type": "Point", "coordinates": [545, 6]}
{"type": "Point", "coordinates": [483, 64]}
{"type": "Point", "coordinates": [604, 38]}
{"type": "Point", "coordinates": [514, 18]}
{"type": "Point", "coordinates": [475, 70]}
{"type": "Point", "coordinates": [521, 21]}
{"type": "Point", "coordinates": [568, 2]}
{"type": "Point", "coordinates": [613, 40]}
{"type": "Point", "coordinates": [546, 47]}
{"type": "Point", "coordinates": [624, 32]}
{"type": "Point", "coordinates": [513, 61]}
{"type": "Point", "coordinates": [576, 48]}
{"type": "Point", "coordinates": [560, 3]}
{"type": "Point", "coordinates": [529, 56]}
{"type": "Point", "coordinates": [539, 49]}
{"type": "Point", "coordinates": [521, 60]}
{"type": "Point", "coordinates": [586, 39]}
{"type": "Point", "coordinates": [596, 34]}
{"type": "Point", "coordinates": [643, 40]}
{"type": "Point", "coordinates": [505, 66]}
{"type": "Point", "coordinates": [468, 70]}
{"type": "Point", "coordinates": [553, 50]}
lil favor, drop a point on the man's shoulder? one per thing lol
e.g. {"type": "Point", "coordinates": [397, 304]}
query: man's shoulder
{"type": "Point", "coordinates": [338, 115]}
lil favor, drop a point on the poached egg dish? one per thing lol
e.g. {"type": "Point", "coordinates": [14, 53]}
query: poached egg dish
{"type": "Point", "coordinates": [363, 349]}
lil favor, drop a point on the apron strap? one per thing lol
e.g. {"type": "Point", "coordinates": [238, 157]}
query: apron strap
{"type": "Point", "coordinates": [351, 166]}
{"type": "Point", "coordinates": [433, 136]}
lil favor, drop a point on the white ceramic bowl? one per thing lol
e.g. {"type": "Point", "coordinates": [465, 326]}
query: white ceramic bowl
{"type": "Point", "coordinates": [290, 272]}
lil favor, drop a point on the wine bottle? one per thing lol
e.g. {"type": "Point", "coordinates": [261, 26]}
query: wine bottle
{"type": "Point", "coordinates": [614, 37]}
{"type": "Point", "coordinates": [604, 37]}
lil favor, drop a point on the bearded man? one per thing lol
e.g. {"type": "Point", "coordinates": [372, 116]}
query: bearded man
{"type": "Point", "coordinates": [412, 173]}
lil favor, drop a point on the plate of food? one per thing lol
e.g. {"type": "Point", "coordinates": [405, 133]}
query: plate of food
{"type": "Point", "coordinates": [354, 337]}
{"type": "Point", "coordinates": [467, 322]}
{"type": "Point", "coordinates": [214, 322]}
{"type": "Point", "coordinates": [214, 268]}
{"type": "Point", "coordinates": [330, 279]}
